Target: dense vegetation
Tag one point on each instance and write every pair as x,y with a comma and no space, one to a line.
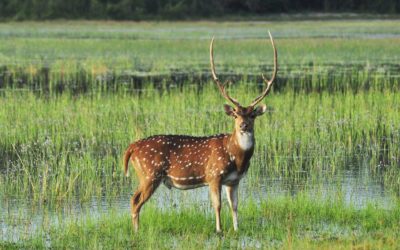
72,146
180,9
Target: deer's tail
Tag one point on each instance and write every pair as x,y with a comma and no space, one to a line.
127,157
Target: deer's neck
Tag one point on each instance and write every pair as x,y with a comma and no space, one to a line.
241,146
239,141
245,141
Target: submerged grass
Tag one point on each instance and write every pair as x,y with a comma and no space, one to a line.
281,222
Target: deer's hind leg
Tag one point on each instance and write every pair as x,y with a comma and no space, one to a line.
215,192
142,194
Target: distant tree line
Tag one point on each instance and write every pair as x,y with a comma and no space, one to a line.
180,9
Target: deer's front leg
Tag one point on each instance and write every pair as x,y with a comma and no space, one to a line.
232,194
215,191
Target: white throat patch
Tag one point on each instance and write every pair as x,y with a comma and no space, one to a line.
245,140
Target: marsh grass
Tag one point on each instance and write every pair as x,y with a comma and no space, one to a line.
66,146
282,222
95,56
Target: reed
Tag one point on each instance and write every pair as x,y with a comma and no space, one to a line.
68,145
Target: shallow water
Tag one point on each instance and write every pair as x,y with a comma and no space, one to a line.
20,217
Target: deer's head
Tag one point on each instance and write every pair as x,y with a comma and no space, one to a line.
244,116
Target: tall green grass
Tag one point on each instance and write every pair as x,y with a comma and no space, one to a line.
67,145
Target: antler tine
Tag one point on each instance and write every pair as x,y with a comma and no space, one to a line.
268,82
216,80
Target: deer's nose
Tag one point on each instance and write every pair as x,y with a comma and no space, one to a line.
244,126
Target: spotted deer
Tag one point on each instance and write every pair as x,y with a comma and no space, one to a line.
187,162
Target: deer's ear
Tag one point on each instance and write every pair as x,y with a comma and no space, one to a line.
229,110
260,110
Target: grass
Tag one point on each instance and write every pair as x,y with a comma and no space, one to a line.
282,223
67,55
70,145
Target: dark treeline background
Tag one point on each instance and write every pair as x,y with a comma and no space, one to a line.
180,9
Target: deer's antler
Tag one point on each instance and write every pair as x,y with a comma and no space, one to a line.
268,82
216,80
